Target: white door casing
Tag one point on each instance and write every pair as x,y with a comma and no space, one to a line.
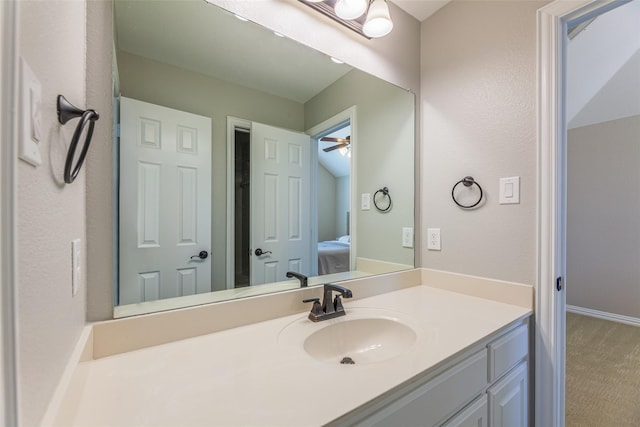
165,202
280,203
346,116
553,20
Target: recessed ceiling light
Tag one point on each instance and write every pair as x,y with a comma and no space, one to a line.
336,60
242,18
278,34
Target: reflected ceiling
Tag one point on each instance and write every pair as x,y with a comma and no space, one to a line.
142,30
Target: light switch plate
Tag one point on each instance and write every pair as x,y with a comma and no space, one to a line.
365,201
510,190
30,115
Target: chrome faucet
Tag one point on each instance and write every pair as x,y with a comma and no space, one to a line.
301,277
329,308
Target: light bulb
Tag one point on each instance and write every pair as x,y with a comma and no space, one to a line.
343,151
378,21
350,9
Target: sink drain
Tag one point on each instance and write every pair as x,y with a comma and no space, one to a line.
347,361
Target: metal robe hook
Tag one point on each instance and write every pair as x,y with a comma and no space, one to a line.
66,112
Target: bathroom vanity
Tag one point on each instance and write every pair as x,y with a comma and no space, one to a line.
487,385
433,349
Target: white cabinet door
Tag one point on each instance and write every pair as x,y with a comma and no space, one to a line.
438,399
508,400
474,415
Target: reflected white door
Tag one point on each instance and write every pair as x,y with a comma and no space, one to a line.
165,209
280,203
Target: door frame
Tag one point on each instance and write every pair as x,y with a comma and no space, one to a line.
8,231
316,132
550,305
233,123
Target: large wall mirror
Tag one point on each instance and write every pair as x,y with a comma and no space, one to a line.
244,155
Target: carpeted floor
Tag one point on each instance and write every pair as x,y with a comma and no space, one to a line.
603,373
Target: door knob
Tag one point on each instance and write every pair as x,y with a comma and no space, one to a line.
201,255
260,252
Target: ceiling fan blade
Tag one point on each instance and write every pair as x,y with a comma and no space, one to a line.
335,147
341,140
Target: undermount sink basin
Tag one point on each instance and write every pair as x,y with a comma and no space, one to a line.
363,336
360,341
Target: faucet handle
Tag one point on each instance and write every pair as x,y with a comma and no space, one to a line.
337,303
316,310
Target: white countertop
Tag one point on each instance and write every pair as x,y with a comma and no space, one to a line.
247,376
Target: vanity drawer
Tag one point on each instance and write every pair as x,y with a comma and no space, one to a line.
507,351
439,398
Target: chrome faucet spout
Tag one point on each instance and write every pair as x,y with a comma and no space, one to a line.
301,277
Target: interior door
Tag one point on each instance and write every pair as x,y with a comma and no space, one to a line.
280,203
165,209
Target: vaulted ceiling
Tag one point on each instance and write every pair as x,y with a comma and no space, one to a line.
421,9
603,63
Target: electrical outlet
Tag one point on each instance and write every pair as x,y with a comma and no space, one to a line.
433,239
75,266
407,237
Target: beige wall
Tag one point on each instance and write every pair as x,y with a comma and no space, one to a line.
326,204
174,87
51,214
478,62
100,161
384,154
603,208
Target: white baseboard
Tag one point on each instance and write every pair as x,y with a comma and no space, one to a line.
604,315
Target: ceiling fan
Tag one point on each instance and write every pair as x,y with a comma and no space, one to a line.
341,143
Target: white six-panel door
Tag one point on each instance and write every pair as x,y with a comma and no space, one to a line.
165,207
280,203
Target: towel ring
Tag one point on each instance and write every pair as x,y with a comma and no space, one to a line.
467,181
66,112
385,193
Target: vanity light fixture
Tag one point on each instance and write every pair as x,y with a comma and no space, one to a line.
378,23
369,18
350,9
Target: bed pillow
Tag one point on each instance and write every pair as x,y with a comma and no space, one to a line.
344,239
